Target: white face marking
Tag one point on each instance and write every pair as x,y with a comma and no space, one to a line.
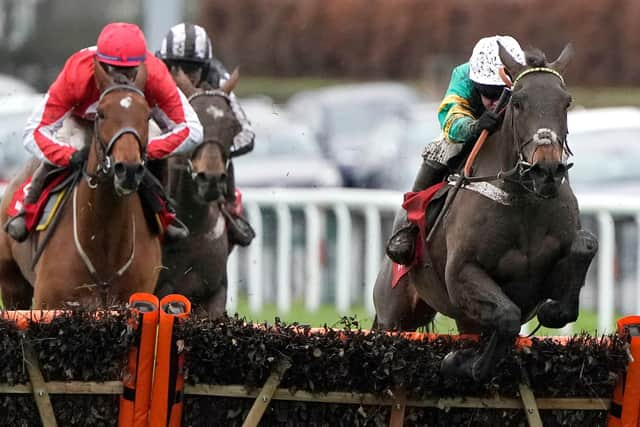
126,102
215,112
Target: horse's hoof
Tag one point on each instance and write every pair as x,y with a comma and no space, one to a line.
459,363
551,314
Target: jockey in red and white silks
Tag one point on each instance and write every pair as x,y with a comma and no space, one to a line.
121,49
75,92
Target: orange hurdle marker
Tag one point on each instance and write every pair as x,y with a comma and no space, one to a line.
168,383
136,394
625,405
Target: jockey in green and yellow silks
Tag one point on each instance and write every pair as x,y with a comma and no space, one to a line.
464,113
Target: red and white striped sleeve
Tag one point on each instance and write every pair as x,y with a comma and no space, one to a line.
39,135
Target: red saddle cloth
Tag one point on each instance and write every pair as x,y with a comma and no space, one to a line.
416,204
33,211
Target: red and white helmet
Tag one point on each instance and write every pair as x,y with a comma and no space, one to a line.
485,59
121,44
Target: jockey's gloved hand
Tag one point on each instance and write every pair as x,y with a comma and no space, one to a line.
243,142
487,120
79,157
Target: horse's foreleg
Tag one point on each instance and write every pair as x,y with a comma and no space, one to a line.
486,307
566,281
17,292
481,300
217,303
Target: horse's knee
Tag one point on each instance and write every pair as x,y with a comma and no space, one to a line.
507,319
585,246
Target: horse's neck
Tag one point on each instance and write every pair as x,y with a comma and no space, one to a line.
497,153
182,190
105,221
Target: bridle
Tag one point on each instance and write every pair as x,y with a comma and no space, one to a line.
520,173
105,162
220,144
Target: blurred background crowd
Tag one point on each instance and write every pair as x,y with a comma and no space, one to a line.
345,92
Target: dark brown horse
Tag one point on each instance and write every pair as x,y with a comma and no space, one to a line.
509,247
197,266
102,249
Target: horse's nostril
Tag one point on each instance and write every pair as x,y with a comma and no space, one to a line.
139,170
119,169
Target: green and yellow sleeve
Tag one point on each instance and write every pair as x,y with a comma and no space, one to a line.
455,113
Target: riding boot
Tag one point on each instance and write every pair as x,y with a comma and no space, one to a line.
402,243
239,230
16,227
154,197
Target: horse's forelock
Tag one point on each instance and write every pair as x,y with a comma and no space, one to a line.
121,79
535,58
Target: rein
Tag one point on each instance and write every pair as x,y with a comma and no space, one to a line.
105,169
85,257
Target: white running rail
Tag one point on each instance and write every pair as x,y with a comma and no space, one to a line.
358,247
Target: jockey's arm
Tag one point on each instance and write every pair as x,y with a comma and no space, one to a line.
455,113
39,134
184,132
244,140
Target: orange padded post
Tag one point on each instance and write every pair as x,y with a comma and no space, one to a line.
136,394
168,383
625,405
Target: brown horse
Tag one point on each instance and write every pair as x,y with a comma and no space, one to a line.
197,266
510,246
102,249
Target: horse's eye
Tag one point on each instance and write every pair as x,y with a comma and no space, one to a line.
100,114
517,104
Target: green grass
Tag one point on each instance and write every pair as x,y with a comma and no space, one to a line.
327,315
281,88
587,321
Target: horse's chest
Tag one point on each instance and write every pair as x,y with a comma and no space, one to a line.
216,232
529,259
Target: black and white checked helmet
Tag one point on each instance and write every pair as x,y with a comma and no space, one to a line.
186,42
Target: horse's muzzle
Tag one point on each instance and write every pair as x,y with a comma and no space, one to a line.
210,187
127,177
547,177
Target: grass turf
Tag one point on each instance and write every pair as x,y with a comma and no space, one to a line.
587,320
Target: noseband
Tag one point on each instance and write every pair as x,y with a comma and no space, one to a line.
105,167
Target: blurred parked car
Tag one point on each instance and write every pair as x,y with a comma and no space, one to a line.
399,168
343,119
286,154
606,147
14,112
10,85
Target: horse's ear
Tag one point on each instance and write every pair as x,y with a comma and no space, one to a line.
102,78
141,77
230,84
512,66
183,81
563,60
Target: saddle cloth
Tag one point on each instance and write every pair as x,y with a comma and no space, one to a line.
39,215
416,205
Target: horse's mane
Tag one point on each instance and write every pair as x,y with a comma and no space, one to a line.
535,57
